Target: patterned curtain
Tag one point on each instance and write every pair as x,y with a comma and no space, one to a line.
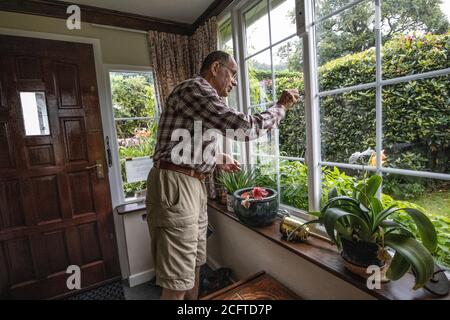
176,57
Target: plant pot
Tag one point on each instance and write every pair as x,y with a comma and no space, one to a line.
359,255
230,202
260,213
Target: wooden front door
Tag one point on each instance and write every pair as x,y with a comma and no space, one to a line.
55,204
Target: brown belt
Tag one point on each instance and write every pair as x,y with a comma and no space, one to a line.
185,170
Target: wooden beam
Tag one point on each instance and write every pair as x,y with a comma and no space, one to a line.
57,9
214,9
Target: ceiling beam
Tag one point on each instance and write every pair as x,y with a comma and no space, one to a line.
57,9
214,9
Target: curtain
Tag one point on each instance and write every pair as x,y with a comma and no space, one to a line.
176,57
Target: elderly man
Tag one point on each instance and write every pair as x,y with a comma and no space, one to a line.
176,196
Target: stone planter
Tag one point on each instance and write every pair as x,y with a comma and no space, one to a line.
260,213
230,202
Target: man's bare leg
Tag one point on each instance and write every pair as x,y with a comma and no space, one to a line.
193,293
169,294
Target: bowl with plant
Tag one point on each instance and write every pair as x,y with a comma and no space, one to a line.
360,226
256,206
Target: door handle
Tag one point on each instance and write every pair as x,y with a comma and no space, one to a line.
99,169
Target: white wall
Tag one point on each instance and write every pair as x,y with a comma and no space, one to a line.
235,246
138,248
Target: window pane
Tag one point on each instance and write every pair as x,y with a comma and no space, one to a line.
432,197
226,37
288,66
257,28
294,184
133,94
135,139
348,125
133,98
342,179
324,7
345,48
415,37
282,19
34,112
416,124
260,78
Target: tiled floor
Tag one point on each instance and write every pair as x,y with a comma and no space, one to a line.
210,281
145,291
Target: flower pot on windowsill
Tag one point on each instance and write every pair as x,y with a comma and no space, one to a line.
258,213
230,202
359,255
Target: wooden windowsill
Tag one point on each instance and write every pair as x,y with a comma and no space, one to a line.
326,256
130,208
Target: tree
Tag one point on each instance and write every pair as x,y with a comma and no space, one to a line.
133,96
353,29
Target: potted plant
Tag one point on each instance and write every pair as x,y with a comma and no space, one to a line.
256,206
360,227
233,181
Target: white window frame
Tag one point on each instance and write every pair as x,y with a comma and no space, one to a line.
306,24
115,176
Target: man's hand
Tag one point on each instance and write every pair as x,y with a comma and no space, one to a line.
226,163
288,98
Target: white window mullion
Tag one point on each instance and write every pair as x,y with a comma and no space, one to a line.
275,131
379,96
305,17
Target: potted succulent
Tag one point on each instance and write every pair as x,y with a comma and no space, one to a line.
360,226
256,206
233,181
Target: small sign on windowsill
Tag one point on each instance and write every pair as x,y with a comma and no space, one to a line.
137,169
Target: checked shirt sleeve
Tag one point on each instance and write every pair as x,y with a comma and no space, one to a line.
201,102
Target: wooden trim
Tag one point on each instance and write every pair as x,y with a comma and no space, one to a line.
57,9
130,208
214,9
232,286
326,256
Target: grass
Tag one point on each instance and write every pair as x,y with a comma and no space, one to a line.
437,202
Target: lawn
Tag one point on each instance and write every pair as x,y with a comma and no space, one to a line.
437,202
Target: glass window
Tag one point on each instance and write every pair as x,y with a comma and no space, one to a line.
135,116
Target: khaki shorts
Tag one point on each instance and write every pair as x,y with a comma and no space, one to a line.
178,221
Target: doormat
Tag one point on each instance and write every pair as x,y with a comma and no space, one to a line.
112,291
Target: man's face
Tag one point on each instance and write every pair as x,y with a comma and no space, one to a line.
224,76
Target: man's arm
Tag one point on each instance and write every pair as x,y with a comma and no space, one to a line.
203,103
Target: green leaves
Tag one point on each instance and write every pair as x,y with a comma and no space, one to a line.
412,253
237,180
364,218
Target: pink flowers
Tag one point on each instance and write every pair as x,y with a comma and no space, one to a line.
256,193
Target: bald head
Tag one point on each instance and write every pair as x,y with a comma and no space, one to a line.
220,69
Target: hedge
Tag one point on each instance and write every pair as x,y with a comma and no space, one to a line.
416,114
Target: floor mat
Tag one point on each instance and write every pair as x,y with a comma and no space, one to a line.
112,291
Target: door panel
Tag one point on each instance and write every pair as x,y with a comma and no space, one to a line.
55,207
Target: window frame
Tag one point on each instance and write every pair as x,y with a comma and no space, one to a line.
306,31
115,176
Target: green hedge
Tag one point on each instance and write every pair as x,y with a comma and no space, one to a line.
416,114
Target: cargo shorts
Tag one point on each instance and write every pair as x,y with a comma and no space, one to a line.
178,221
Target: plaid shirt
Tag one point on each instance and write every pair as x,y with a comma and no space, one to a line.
196,100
